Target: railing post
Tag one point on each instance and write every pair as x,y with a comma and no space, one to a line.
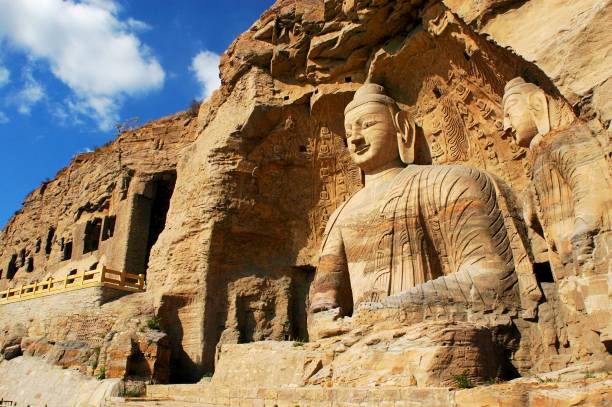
141,281
66,281
50,284
122,278
103,274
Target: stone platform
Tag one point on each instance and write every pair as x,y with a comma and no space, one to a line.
525,392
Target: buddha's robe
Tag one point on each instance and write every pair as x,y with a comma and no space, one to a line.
437,236
573,192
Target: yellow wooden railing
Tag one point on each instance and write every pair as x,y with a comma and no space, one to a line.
94,278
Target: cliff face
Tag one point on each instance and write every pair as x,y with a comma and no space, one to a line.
237,200
81,217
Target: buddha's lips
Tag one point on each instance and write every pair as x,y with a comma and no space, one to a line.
362,149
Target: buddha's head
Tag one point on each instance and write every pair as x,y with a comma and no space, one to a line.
377,131
525,110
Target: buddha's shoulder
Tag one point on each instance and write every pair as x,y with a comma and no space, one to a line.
440,172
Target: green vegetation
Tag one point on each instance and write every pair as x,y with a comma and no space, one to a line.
154,323
102,374
463,382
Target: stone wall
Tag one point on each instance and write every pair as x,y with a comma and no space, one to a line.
61,304
520,393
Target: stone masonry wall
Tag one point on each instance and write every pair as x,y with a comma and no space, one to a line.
60,304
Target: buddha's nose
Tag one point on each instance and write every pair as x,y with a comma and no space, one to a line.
357,139
356,136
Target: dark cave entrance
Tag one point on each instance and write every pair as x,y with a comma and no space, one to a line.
148,219
92,235
11,269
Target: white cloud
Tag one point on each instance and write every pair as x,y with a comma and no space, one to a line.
87,47
31,93
205,66
137,25
3,118
5,76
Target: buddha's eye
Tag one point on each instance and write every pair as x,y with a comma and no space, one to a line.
368,123
348,133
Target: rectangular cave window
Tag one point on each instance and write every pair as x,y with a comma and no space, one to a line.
49,241
30,265
11,269
108,230
92,235
38,244
66,250
543,272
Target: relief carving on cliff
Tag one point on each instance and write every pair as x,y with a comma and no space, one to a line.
570,197
570,175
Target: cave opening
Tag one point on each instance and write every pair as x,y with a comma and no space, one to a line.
66,250
543,272
91,239
161,203
303,277
148,220
49,241
11,268
108,230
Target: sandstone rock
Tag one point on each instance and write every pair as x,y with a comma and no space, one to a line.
427,354
11,352
226,212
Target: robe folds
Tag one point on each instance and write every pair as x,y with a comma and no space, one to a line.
437,237
572,188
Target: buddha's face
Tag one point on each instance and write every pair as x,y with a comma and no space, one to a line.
371,136
517,115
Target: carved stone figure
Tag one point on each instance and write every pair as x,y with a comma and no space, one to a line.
415,234
570,176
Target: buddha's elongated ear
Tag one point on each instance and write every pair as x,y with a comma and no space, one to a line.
405,128
538,108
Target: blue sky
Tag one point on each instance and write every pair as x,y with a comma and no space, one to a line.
70,70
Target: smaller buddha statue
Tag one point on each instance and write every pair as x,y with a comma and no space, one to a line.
571,183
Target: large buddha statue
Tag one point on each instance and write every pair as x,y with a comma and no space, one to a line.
571,183
415,234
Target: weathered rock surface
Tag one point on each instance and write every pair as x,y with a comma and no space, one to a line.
424,355
29,381
225,212
531,392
